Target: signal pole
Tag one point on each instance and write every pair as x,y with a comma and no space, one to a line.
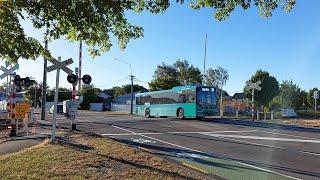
80,66
44,82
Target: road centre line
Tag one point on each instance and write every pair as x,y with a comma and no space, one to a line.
190,149
267,138
187,132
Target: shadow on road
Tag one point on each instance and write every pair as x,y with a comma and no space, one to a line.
263,125
174,152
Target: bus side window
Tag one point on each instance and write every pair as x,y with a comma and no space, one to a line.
182,98
191,98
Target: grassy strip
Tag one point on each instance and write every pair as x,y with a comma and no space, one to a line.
81,156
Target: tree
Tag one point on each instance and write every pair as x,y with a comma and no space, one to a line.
187,74
180,73
63,94
269,88
289,95
165,77
125,89
90,95
95,22
217,77
34,93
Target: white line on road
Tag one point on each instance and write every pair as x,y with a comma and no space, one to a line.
187,132
190,149
265,145
272,132
267,138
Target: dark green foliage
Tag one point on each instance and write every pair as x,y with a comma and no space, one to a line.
180,73
90,95
95,22
269,88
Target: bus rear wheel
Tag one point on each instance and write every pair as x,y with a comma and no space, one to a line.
147,113
180,113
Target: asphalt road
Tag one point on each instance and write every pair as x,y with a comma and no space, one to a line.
231,149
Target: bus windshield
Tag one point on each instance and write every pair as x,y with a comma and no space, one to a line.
206,96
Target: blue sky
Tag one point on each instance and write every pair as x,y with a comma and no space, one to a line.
287,45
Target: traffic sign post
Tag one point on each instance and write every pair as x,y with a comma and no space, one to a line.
253,86
57,65
315,97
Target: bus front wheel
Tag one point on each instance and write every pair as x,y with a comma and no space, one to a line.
180,113
147,113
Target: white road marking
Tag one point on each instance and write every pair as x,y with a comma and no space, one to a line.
267,138
187,132
272,132
130,134
190,149
265,145
247,142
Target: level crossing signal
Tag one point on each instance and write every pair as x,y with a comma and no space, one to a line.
25,82
72,79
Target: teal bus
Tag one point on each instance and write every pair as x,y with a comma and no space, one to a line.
180,101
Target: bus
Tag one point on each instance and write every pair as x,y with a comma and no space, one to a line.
180,101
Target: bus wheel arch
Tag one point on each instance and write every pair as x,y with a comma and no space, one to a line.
180,113
147,113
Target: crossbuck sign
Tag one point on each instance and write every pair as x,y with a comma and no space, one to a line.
254,86
61,65
9,71
57,65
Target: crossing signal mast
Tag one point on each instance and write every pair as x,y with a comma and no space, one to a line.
73,79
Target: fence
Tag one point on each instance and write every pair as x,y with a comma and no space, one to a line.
120,107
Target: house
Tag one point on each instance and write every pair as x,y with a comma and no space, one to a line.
238,101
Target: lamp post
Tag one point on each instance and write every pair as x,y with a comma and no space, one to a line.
131,78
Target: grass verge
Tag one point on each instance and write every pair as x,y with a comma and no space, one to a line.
82,156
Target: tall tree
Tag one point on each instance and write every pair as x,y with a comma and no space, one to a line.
90,95
187,74
95,22
165,77
269,88
289,95
217,77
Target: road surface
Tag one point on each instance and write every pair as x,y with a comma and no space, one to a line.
231,149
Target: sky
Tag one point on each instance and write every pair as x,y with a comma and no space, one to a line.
287,45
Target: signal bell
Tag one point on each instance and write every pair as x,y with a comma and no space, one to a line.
86,79
72,78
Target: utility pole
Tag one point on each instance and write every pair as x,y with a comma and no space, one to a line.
44,81
205,56
132,96
80,66
35,96
131,78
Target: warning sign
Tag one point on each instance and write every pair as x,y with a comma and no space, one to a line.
21,110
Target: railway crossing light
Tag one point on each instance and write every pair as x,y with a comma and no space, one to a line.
72,78
86,79
25,82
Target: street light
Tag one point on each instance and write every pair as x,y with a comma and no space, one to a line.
131,78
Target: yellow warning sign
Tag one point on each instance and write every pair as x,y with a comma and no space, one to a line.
21,110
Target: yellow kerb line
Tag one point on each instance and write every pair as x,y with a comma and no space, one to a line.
193,167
